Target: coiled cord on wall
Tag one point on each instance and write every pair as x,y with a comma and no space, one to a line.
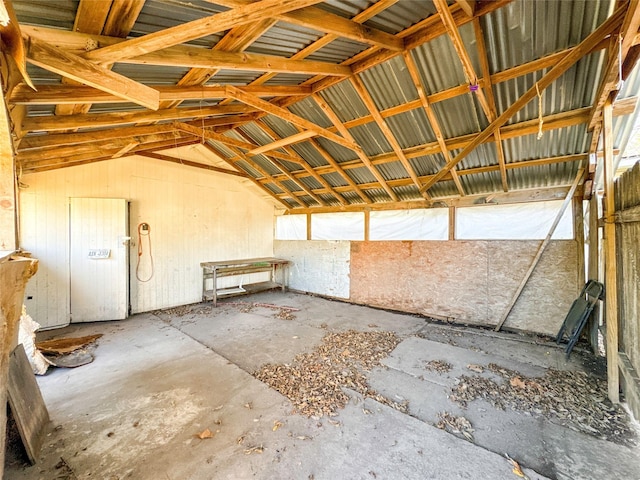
144,230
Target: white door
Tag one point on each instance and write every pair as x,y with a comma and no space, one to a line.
99,259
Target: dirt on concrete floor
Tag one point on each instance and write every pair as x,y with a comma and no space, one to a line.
356,393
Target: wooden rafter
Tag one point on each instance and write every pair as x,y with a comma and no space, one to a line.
283,142
195,29
431,116
562,66
324,21
491,102
620,46
68,94
75,68
307,168
109,17
220,155
360,87
190,163
328,111
290,117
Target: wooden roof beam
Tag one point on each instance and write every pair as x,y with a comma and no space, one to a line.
75,68
620,46
431,116
230,162
307,168
360,87
324,21
97,120
70,94
283,142
195,29
328,111
289,117
109,17
189,163
562,66
492,112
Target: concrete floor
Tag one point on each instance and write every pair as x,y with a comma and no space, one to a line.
159,379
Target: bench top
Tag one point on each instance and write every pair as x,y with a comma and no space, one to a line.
246,262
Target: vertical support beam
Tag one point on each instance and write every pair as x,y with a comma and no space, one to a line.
594,240
8,197
308,226
611,302
578,228
452,223
366,225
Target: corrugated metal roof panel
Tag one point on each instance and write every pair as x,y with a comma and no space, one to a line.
151,74
542,176
438,65
481,183
338,153
389,84
310,182
40,76
371,139
564,141
335,179
60,14
460,116
411,128
233,77
338,51
526,30
483,155
392,170
361,175
160,14
291,186
443,189
310,110
288,79
310,154
353,198
407,193
284,40
401,15
427,164
344,101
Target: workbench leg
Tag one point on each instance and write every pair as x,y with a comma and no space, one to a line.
215,288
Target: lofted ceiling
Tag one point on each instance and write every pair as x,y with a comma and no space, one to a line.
332,105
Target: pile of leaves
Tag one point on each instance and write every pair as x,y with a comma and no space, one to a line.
315,381
576,398
455,425
439,366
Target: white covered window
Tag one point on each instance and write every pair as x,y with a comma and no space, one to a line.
337,226
291,227
418,224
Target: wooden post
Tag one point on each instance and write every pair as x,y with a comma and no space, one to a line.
594,240
452,223
578,228
366,225
8,211
611,299
308,226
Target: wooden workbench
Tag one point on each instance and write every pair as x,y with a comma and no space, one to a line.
228,268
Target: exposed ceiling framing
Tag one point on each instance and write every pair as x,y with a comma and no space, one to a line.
330,105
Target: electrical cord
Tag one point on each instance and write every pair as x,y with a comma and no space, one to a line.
144,232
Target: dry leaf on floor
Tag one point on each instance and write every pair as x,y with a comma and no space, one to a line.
251,450
240,440
475,368
276,425
206,433
517,382
516,467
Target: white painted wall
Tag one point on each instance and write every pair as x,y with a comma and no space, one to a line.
195,216
319,266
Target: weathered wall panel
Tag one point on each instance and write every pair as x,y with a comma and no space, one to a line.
627,190
194,216
319,266
468,281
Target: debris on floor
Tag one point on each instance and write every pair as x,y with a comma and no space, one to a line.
576,398
439,366
455,425
69,352
517,469
27,328
60,346
314,382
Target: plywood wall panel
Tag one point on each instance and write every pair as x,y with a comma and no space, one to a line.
467,281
